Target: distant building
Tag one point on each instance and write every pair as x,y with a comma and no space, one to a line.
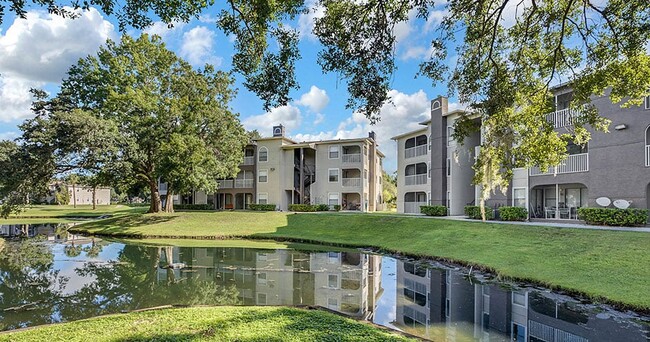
82,195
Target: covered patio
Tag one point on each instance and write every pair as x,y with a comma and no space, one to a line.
351,201
558,201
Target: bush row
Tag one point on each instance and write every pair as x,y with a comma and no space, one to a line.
262,207
614,217
193,207
309,207
474,212
433,210
512,214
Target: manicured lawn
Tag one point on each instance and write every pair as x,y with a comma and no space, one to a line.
211,324
63,211
610,265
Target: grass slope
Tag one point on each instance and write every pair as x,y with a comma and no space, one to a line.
66,213
610,265
211,324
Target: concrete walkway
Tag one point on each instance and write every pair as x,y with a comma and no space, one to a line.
552,224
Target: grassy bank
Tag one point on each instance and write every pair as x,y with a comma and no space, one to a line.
211,324
67,213
609,265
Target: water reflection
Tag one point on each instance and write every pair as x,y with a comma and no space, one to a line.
58,278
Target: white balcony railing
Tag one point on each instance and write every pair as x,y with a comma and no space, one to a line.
243,183
248,161
647,155
352,158
564,117
349,182
225,184
574,163
162,187
415,179
416,151
413,207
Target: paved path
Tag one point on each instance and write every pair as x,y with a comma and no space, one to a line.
556,224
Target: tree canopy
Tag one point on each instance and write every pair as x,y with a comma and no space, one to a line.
510,54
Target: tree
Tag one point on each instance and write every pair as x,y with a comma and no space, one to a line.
389,188
510,52
61,194
174,122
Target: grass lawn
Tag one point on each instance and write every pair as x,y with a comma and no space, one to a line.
66,213
211,324
603,265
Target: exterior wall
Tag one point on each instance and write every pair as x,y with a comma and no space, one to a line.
402,162
439,109
616,159
84,195
323,187
275,168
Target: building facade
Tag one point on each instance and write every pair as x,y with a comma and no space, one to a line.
615,165
277,170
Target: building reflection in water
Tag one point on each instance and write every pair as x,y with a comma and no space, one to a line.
444,305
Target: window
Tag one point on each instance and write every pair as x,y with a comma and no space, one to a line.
519,298
448,167
576,149
261,298
429,172
333,199
448,199
379,180
647,102
333,281
263,198
263,154
450,135
263,176
332,303
261,278
262,256
519,197
334,152
333,257
518,333
365,174
333,175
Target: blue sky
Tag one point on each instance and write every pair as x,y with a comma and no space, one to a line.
37,51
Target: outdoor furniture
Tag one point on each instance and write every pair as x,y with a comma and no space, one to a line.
548,211
565,213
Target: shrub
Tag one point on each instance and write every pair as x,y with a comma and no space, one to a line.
193,207
433,210
322,207
513,214
302,207
337,207
613,216
474,212
262,207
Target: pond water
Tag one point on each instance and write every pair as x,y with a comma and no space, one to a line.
55,277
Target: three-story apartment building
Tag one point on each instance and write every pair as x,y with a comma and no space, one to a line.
615,165
277,170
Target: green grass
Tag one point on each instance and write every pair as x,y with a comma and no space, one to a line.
67,211
211,324
602,265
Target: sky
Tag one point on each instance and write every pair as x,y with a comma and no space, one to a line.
36,52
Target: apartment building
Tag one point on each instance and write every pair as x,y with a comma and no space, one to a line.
277,170
615,165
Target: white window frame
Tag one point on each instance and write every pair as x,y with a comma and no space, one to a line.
266,298
259,154
261,281
525,296
338,152
450,133
429,170
263,194
338,198
338,175
525,196
338,281
265,173
365,173
647,102
448,167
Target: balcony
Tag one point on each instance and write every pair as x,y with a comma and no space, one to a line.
415,179
564,117
413,207
416,151
248,161
351,182
225,183
352,158
243,183
573,163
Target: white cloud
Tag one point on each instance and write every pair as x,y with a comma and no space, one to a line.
319,118
288,115
15,98
197,46
306,21
163,30
417,52
402,115
44,46
11,135
435,18
315,99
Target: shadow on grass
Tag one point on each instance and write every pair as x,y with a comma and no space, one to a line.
121,224
277,325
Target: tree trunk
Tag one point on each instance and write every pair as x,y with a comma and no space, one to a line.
94,197
169,203
155,206
74,195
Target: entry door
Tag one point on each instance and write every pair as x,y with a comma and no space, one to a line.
249,200
239,201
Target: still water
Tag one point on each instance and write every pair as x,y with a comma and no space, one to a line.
54,276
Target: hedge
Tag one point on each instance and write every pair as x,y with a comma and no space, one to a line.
337,207
193,207
614,217
308,207
513,214
433,210
474,212
262,207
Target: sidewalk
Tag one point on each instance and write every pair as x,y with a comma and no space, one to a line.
551,224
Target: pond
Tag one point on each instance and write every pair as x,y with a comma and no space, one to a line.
56,277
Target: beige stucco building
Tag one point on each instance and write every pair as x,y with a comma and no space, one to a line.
277,170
